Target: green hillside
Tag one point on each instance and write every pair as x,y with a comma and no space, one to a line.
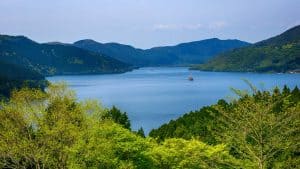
278,54
182,54
16,77
53,59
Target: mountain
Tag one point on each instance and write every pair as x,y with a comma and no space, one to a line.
277,54
182,54
56,58
15,77
125,53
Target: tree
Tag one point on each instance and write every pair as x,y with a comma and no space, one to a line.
181,154
258,133
141,132
20,117
52,129
38,128
286,91
117,116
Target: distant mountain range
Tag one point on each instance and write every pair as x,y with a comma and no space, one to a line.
24,61
181,54
277,54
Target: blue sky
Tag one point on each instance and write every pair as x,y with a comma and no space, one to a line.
147,23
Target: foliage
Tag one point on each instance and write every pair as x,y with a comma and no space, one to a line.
261,128
52,130
118,117
277,54
15,77
141,132
195,124
181,154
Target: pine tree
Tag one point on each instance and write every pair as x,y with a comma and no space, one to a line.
121,118
141,132
286,90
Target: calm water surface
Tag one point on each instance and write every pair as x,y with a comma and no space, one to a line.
153,96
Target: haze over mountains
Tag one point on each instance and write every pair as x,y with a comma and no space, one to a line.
277,54
181,54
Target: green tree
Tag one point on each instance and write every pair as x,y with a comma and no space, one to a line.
257,132
119,117
181,154
141,132
52,129
108,145
286,91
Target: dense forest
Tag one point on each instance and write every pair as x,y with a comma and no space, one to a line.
261,128
181,54
51,129
16,77
278,54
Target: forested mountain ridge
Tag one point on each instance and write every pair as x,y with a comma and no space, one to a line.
277,54
181,54
53,59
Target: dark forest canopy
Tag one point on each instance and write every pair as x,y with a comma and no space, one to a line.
16,77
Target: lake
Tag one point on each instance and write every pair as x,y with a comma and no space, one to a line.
155,95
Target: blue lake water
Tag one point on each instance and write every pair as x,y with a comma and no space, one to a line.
153,96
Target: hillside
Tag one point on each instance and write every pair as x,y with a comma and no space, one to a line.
277,54
182,54
54,59
15,77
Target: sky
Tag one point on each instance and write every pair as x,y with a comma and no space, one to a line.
147,23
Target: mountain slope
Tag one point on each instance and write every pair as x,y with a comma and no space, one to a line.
15,77
182,54
125,53
278,54
53,59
